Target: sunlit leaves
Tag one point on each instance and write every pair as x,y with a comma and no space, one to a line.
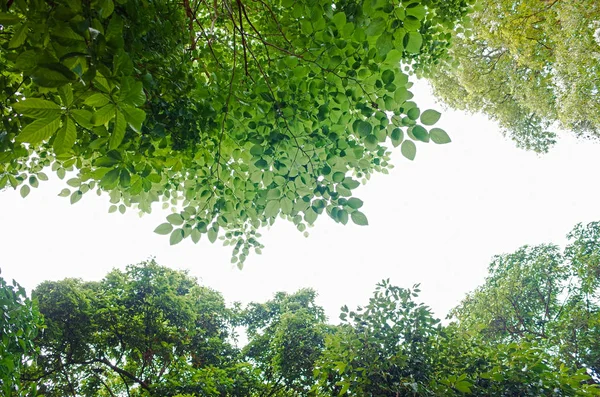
37,108
103,115
39,130
118,132
229,146
413,42
66,137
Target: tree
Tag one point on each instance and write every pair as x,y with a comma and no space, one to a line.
383,349
148,331
394,346
530,65
230,113
286,336
20,322
153,331
538,293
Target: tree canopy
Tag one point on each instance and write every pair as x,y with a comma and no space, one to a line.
20,321
531,65
531,329
230,113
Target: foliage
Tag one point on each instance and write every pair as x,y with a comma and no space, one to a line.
286,337
146,331
232,114
530,65
395,347
20,321
153,331
383,349
537,293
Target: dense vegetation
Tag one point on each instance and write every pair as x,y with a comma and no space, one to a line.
532,329
230,113
531,65
235,113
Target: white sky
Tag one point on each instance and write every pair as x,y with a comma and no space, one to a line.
437,221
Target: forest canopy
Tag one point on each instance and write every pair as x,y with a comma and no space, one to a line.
231,113
531,329
531,65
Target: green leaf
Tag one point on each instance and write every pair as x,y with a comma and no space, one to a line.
64,193
118,131
371,142
164,228
196,234
110,179
97,100
52,75
107,7
37,108
338,177
397,136
39,130
176,236
420,133
82,117
363,128
18,37
408,149
359,218
310,216
74,182
66,137
342,216
76,196
430,117
272,208
387,76
286,205
132,94
416,10
350,183
413,113
339,19
103,115
439,136
175,219
25,189
66,94
256,150
463,386
414,43
9,19
33,181
212,235
135,117
355,203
